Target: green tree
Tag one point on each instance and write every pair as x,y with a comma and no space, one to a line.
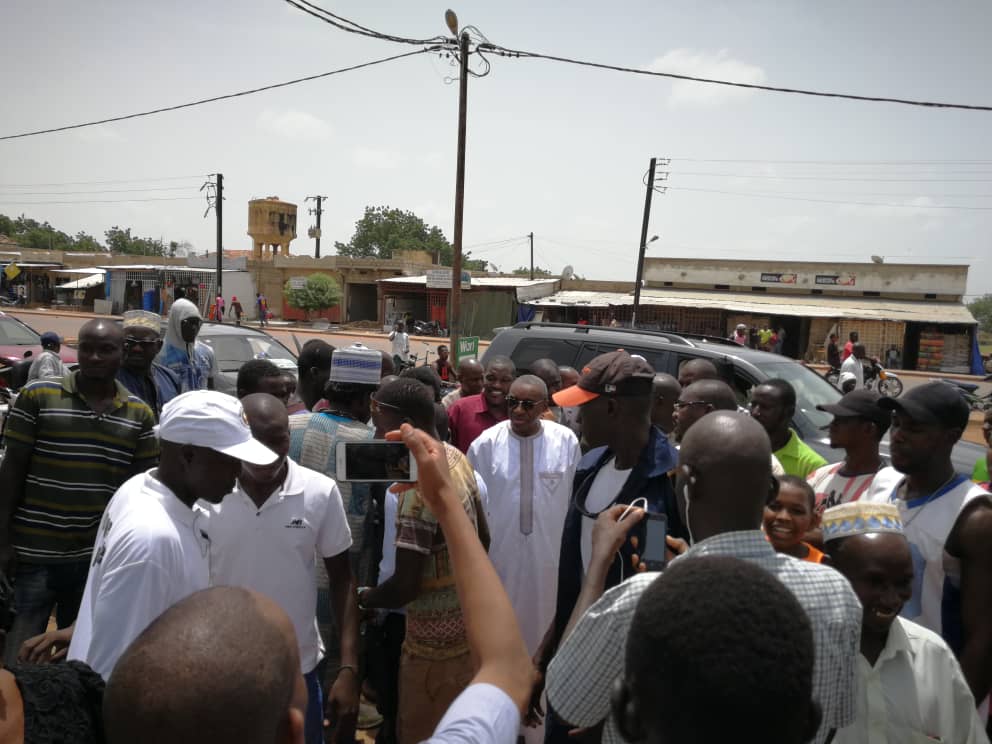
123,242
384,232
320,293
982,310
525,271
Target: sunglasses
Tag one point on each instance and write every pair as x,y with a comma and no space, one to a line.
130,343
528,405
377,406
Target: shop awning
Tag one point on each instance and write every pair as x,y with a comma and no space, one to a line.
804,306
86,282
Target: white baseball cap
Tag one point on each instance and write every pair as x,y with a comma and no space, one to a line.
207,418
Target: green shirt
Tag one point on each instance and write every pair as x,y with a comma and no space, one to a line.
980,474
798,458
78,460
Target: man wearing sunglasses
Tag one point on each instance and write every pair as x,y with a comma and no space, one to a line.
527,464
630,459
139,372
193,361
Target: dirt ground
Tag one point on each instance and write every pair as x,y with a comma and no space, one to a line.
974,431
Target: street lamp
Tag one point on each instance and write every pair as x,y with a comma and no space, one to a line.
637,282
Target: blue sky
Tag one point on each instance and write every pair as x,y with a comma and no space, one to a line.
554,149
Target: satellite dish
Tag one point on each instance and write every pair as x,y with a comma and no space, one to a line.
877,259
568,272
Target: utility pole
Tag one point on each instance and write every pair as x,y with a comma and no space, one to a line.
219,205
316,232
454,326
643,245
531,236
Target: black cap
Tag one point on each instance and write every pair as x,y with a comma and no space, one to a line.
934,403
613,373
859,404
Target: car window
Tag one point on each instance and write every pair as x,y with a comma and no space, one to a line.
265,348
561,351
16,334
659,360
811,390
231,351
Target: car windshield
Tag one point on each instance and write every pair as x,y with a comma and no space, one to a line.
14,333
811,389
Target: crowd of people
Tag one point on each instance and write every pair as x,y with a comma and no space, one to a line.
183,565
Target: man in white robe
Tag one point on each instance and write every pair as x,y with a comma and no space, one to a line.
527,465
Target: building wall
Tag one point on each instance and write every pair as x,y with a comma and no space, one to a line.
914,280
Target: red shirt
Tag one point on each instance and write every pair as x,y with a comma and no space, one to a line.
468,418
848,350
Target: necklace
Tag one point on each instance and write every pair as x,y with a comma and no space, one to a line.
950,483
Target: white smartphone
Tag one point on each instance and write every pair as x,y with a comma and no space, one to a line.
375,461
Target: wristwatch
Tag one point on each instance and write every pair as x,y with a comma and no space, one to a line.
361,593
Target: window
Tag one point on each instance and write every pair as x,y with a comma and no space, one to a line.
561,351
15,333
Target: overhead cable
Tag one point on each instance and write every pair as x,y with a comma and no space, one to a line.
214,99
789,197
503,51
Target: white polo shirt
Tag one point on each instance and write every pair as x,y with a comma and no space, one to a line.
273,549
151,551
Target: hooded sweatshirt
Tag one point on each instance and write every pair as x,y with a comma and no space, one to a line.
193,363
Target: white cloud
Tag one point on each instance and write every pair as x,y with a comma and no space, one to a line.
294,125
717,66
365,157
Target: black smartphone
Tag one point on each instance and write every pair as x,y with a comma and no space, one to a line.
653,549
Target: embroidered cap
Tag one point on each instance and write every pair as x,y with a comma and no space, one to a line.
860,518
143,319
356,364
208,418
613,373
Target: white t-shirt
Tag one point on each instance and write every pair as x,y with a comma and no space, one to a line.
832,488
151,551
482,714
854,366
271,549
603,492
401,343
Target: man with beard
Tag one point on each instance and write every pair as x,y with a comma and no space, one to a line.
528,465
948,522
471,416
139,372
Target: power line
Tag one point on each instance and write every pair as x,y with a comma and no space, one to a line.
828,201
104,201
99,191
836,162
94,183
833,178
503,51
218,98
354,28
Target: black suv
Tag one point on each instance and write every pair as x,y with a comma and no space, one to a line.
740,366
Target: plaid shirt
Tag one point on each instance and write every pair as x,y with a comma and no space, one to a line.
592,657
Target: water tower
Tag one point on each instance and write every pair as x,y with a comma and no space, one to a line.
271,225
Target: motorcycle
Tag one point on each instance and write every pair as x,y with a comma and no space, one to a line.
884,381
969,391
877,377
425,328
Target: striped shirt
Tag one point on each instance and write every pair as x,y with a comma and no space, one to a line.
588,661
78,460
313,440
